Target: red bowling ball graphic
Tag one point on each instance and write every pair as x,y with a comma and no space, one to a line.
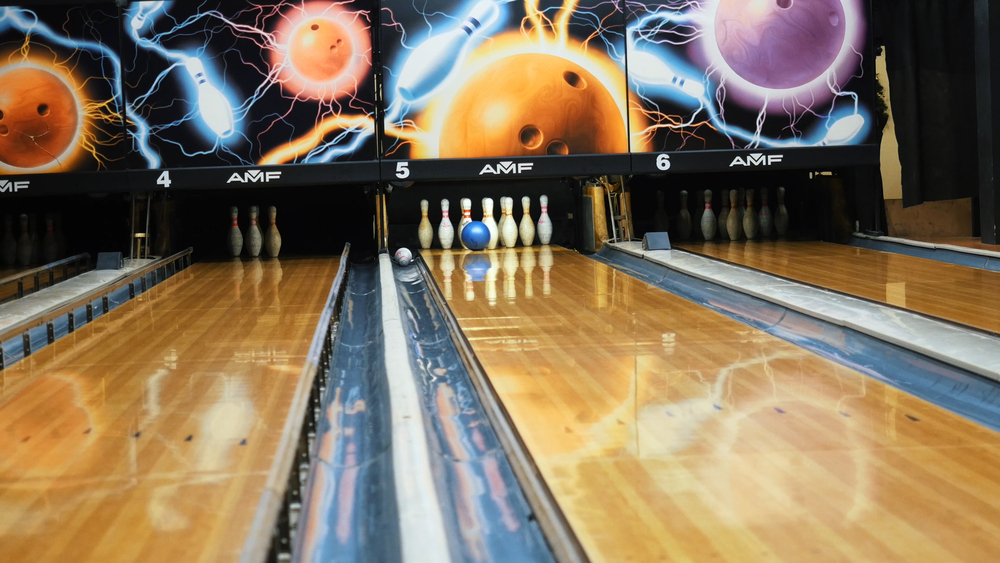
39,117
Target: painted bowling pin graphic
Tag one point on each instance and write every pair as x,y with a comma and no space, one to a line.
490,223
235,236
253,239
733,224
272,238
213,107
764,216
781,219
527,228
750,218
432,63
446,231
544,227
684,218
425,232
466,204
508,228
708,221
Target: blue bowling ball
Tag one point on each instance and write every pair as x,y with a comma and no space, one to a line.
475,235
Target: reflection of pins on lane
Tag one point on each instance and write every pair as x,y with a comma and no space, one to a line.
649,69
490,223
528,264
544,227
466,219
545,261
433,62
491,278
213,106
425,232
447,267
510,269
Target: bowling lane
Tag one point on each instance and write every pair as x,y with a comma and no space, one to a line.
148,434
957,293
669,432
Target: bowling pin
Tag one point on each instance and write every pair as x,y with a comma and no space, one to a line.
9,242
253,239
750,218
661,223
781,220
490,223
723,221
764,217
733,224
260,230
742,205
527,228
696,219
272,238
36,246
49,247
466,218
425,232
235,236
508,230
708,221
544,227
432,63
684,219
446,231
24,244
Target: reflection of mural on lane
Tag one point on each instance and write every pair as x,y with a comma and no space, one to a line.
231,83
60,97
727,74
499,78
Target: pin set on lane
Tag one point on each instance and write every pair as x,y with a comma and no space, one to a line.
487,233
738,217
254,239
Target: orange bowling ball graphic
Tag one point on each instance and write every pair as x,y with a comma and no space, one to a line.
532,104
39,117
320,49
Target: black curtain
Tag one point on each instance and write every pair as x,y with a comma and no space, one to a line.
930,55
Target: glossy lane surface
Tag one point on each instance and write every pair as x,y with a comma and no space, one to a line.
957,293
148,434
668,432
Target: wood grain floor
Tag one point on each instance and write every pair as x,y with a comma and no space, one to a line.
668,432
957,293
147,435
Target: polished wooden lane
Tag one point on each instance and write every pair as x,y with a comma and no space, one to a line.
957,293
668,432
148,434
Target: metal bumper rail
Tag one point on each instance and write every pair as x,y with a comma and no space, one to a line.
272,533
49,271
48,326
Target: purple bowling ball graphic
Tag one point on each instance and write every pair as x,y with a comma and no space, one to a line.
475,235
780,44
